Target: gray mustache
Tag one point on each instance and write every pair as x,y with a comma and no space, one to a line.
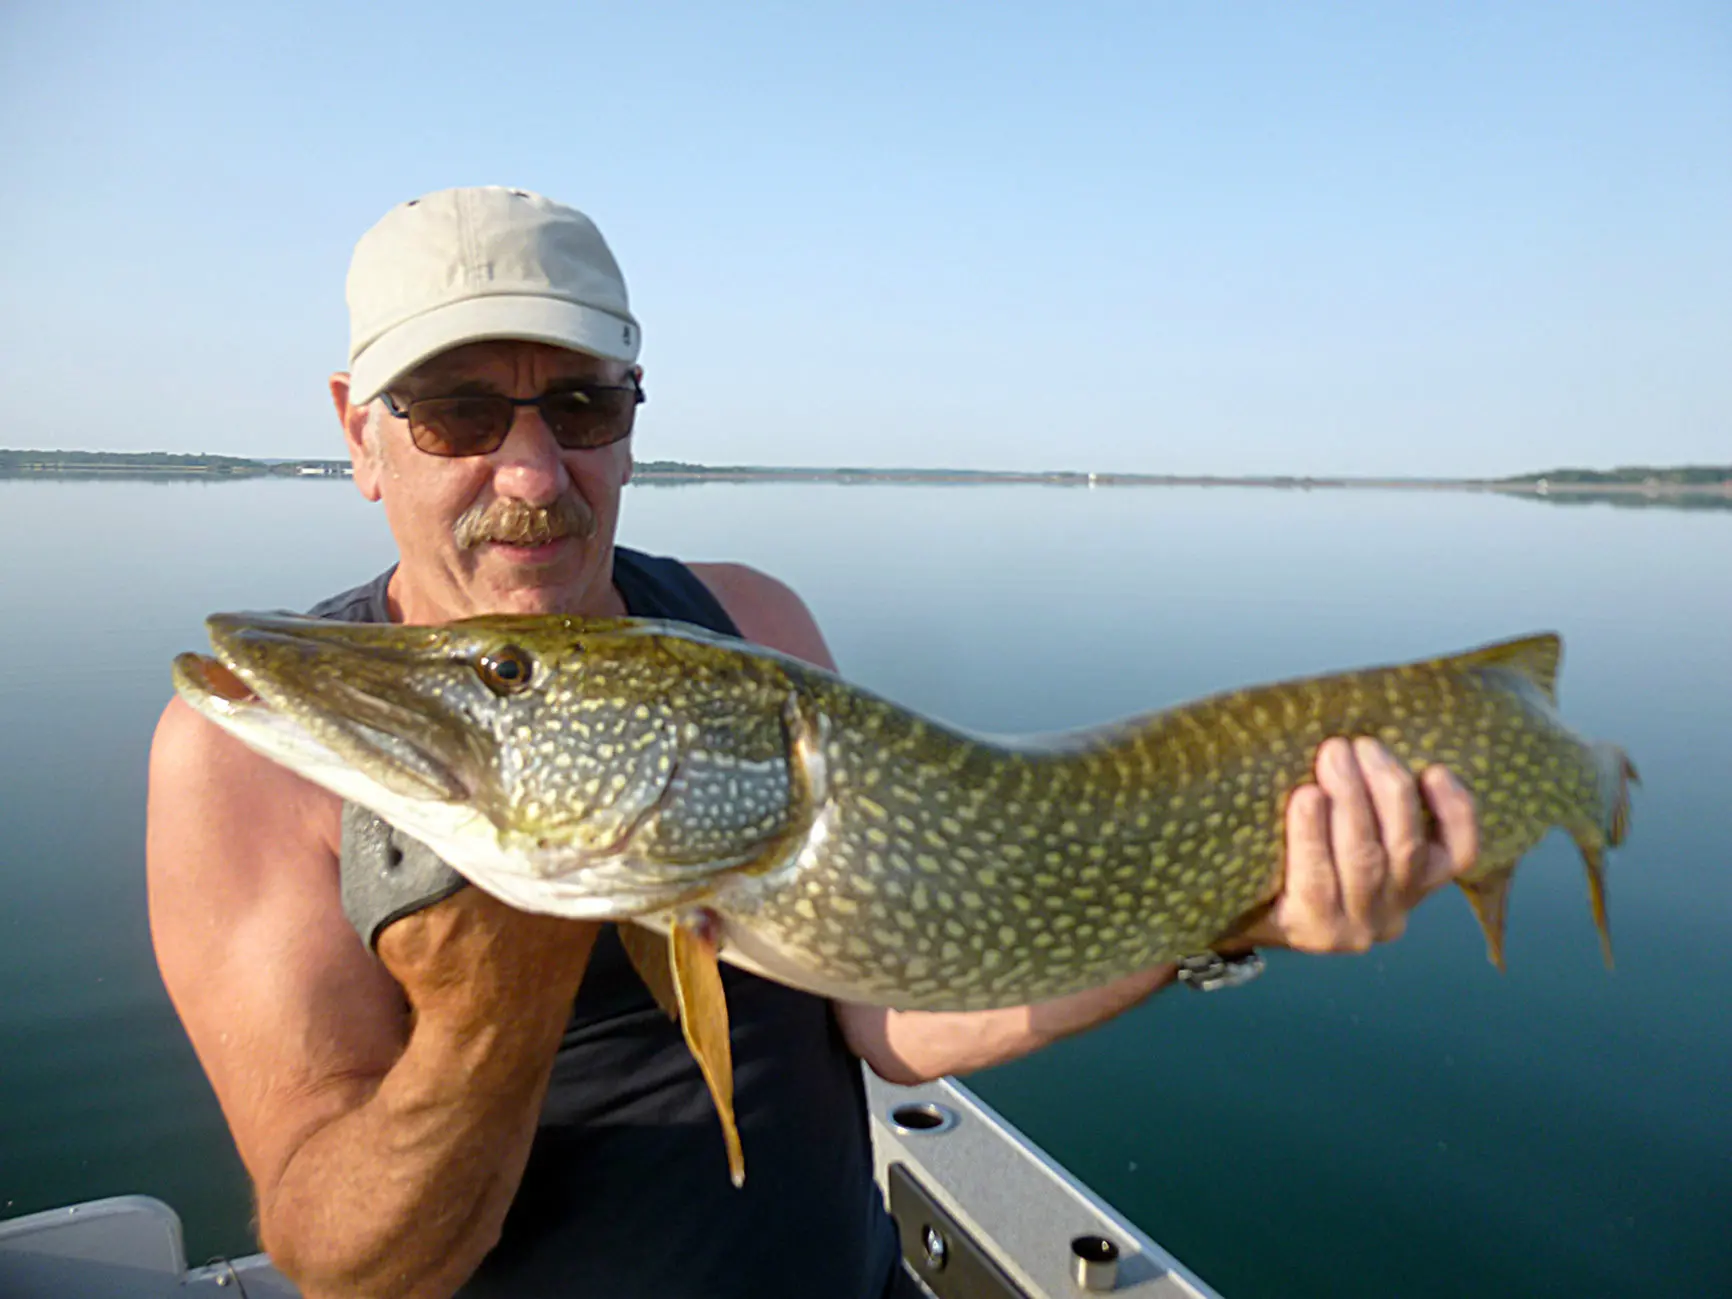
518,523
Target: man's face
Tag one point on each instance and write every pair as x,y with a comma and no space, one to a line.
473,531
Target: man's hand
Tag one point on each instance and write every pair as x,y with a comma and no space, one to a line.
472,956
1359,854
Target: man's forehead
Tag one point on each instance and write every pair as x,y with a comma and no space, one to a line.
502,359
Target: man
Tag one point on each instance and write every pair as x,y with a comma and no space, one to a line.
426,1089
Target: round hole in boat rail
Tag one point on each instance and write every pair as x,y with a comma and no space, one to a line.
937,1249
923,1116
1094,1262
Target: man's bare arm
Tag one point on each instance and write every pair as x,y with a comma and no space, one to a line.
911,1046
383,1108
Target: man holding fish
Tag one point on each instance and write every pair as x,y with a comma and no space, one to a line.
434,1091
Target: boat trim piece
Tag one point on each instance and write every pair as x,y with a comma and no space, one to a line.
1013,1199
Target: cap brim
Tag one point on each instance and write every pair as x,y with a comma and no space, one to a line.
532,319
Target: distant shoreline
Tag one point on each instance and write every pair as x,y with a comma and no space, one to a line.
1707,486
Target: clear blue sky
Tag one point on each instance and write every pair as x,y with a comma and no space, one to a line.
1201,236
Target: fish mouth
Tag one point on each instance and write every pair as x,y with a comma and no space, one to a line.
210,679
308,699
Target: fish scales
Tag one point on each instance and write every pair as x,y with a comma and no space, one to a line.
854,847
1130,845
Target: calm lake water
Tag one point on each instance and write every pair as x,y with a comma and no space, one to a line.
1407,1122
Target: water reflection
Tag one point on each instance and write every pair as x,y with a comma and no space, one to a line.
1405,1122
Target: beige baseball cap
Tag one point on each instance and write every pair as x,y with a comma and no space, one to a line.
463,265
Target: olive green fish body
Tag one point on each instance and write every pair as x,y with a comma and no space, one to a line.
956,873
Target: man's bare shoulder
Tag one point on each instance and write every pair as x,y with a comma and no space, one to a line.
198,768
234,839
766,610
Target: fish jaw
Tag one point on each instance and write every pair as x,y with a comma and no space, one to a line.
452,828
220,696
353,693
557,882
336,704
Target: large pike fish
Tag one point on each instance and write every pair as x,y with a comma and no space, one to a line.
725,801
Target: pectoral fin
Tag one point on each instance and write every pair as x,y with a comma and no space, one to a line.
1489,894
693,946
697,979
654,964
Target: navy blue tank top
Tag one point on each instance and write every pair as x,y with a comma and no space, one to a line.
626,1192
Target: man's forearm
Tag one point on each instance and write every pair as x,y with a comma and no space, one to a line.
910,1046
405,1194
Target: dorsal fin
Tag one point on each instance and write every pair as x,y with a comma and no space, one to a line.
1534,657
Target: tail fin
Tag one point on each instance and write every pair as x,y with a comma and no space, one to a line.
1617,773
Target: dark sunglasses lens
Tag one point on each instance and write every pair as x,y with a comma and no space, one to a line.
590,417
459,426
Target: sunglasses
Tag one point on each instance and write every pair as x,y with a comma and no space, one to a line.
581,418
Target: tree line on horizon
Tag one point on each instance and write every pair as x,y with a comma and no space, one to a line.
16,460
1677,475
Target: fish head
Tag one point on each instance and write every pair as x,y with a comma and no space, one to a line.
535,754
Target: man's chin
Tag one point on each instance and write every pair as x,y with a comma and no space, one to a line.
532,579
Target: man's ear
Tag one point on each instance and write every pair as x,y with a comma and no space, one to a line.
363,453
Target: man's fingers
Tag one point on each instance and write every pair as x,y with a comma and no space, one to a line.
1457,827
1353,830
1311,880
1395,796
1359,856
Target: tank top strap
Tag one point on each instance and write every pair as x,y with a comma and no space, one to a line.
655,586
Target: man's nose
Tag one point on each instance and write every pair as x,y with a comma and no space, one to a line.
527,465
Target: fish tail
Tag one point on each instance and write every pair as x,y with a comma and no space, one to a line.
1617,773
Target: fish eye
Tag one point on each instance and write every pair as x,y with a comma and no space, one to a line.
505,670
